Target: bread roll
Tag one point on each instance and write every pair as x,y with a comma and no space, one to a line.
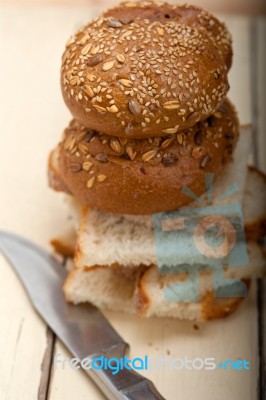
186,14
129,176
146,75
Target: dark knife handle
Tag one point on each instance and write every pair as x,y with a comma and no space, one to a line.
126,384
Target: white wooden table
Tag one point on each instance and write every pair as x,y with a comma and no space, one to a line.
32,117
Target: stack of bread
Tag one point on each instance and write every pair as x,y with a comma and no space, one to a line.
147,85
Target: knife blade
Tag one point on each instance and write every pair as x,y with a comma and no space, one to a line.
83,329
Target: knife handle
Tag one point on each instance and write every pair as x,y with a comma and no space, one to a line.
126,384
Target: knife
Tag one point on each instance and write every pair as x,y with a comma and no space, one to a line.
83,329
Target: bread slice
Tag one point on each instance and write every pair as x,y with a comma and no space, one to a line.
107,288
109,239
152,286
141,290
150,298
110,289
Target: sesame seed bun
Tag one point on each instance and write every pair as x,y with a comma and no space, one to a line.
186,14
145,176
146,70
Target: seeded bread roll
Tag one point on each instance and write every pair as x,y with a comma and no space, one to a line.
144,77
145,176
186,14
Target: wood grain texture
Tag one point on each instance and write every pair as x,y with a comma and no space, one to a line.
46,365
69,384
22,340
32,117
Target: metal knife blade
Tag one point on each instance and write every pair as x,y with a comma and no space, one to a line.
83,329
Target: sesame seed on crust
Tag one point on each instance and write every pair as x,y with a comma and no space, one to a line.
106,171
114,69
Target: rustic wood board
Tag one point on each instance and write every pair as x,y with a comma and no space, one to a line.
32,116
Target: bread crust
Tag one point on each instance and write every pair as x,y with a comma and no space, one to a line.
63,248
146,77
210,308
186,14
54,178
145,176
216,308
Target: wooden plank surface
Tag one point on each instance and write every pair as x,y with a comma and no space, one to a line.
32,116
22,340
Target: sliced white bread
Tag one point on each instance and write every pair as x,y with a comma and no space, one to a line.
150,298
107,288
141,290
152,285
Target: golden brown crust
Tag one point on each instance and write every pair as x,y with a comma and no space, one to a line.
70,278
144,78
186,14
54,178
114,266
62,248
215,308
210,307
143,301
145,176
